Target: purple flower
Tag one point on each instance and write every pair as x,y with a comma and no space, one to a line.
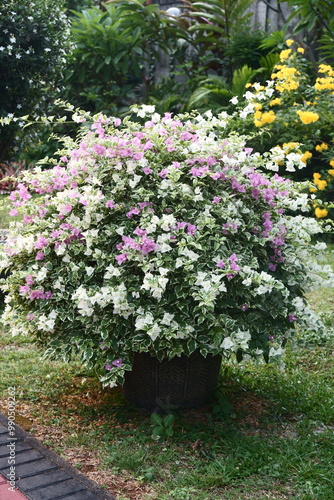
133,211
148,246
117,362
163,173
40,256
216,199
29,280
147,170
139,232
121,258
233,258
191,229
36,294
292,317
24,289
41,242
234,267
221,264
244,307
110,204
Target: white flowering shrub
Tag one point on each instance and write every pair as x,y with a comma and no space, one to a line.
33,44
157,235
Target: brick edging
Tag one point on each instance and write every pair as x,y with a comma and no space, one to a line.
34,443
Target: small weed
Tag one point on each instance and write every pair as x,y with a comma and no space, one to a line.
163,426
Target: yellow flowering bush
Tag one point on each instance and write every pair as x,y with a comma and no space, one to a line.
300,123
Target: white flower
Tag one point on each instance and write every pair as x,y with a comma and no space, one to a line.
144,110
167,318
227,343
41,275
190,254
234,100
142,321
89,270
154,332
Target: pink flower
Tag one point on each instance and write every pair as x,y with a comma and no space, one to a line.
216,199
292,317
110,204
36,294
191,229
147,170
41,242
40,256
221,264
132,211
235,267
244,307
140,232
121,258
13,212
117,122
117,362
29,280
27,219
148,246
163,173
233,258
24,289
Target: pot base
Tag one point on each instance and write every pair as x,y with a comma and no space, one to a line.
179,383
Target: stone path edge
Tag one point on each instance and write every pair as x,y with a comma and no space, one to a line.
51,455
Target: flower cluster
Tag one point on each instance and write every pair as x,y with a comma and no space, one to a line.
295,107
163,237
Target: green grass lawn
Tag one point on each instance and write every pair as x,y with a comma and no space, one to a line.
267,434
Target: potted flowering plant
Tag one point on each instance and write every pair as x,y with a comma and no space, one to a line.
158,236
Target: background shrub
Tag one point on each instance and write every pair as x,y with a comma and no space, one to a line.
33,45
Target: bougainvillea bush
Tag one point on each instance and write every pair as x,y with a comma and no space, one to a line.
159,235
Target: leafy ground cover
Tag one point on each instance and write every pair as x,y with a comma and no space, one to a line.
268,433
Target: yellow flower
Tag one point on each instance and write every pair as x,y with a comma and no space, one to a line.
332,162
321,185
316,177
285,54
288,146
331,172
301,50
313,190
289,42
248,85
326,68
268,117
307,116
321,147
306,156
324,83
275,102
321,213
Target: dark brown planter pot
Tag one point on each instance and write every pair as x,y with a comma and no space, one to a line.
182,382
